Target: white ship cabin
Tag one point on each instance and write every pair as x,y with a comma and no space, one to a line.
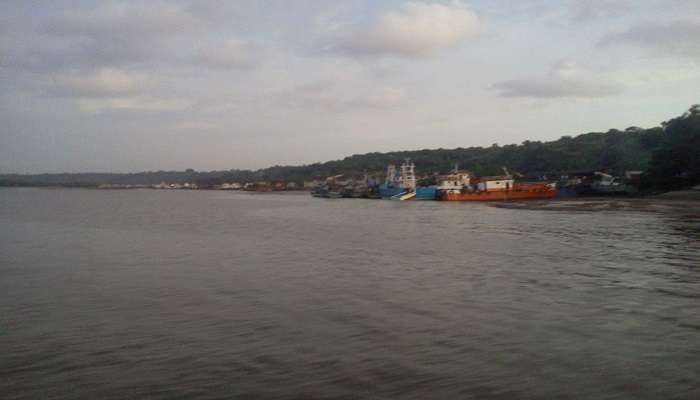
408,175
392,175
454,182
496,184
313,184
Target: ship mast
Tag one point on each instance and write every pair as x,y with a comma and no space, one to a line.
390,174
408,175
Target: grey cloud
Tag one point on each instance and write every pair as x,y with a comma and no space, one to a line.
566,79
133,104
677,37
416,30
23,49
232,54
556,88
116,34
124,19
337,97
117,90
103,82
586,10
162,35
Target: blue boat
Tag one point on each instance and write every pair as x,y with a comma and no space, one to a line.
400,184
426,193
387,191
566,191
398,181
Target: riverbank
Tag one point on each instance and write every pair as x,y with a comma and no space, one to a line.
680,195
683,202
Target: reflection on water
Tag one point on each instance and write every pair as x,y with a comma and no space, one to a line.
151,294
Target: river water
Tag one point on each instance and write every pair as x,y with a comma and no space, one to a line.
204,294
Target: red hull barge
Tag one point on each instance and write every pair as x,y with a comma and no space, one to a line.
519,191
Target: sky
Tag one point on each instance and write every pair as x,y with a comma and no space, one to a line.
126,86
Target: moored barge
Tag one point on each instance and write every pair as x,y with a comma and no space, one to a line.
461,186
518,191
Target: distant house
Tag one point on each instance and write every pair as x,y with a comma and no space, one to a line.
634,177
312,184
344,182
261,186
277,185
339,180
231,186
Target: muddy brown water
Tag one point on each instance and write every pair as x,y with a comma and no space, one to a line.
202,294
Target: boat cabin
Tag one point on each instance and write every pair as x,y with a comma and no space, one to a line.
455,181
496,184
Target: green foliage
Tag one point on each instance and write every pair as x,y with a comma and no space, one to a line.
615,151
671,153
676,160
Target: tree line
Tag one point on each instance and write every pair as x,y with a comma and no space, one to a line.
669,154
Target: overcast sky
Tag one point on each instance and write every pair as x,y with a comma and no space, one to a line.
147,85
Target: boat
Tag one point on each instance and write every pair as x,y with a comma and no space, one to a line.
611,185
403,196
399,181
387,191
453,182
426,193
516,191
597,183
461,186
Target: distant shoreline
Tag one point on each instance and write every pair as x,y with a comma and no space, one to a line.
584,203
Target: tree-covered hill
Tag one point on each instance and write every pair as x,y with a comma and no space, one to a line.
676,157
669,153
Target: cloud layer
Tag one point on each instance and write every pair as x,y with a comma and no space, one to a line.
131,85
565,79
119,33
588,10
675,37
231,54
416,30
97,83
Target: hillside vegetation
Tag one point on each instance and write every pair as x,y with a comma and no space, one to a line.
670,154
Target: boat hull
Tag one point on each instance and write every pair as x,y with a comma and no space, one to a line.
529,192
426,193
387,192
